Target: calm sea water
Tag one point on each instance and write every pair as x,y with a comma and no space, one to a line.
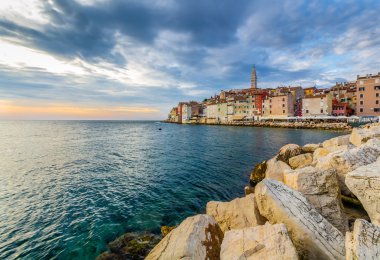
69,187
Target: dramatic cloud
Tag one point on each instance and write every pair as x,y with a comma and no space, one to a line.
135,59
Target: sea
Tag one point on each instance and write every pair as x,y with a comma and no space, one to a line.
67,188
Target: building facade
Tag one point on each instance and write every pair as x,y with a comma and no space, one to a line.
368,95
280,105
317,105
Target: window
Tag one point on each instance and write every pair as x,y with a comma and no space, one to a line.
361,102
361,82
377,80
361,95
283,105
361,89
377,102
283,111
307,111
283,99
321,111
270,100
361,109
377,87
270,112
377,94
270,106
376,109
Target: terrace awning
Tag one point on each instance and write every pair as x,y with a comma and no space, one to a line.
238,118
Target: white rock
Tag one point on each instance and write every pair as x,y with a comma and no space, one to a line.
319,153
313,236
363,242
321,188
364,182
261,242
347,161
337,141
301,160
197,237
238,213
276,169
362,135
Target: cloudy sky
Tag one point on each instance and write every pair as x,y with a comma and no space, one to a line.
134,59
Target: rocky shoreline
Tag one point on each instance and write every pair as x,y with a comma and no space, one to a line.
318,201
297,125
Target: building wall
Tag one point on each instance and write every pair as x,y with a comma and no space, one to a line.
320,105
368,95
211,111
278,106
222,112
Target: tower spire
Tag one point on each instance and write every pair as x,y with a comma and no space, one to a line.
253,77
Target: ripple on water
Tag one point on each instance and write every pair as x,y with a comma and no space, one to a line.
68,188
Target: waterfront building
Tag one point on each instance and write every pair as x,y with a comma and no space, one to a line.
317,105
173,115
211,112
309,91
341,108
368,95
278,105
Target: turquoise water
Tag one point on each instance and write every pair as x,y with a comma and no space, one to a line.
69,187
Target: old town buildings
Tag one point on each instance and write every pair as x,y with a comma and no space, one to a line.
361,98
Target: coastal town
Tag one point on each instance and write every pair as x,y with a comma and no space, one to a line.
354,100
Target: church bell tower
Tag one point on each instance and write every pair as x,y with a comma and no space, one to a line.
253,78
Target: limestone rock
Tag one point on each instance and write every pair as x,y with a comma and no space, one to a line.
261,242
197,237
347,161
238,213
276,169
364,182
301,160
337,141
321,188
288,151
258,173
362,135
313,236
310,148
363,242
319,153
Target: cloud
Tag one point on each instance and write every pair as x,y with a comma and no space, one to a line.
90,53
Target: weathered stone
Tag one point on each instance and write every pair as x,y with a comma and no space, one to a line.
130,246
261,242
313,236
248,190
319,153
238,213
276,169
347,161
197,237
364,182
258,173
363,242
301,160
337,141
362,135
321,188
288,151
166,230
310,148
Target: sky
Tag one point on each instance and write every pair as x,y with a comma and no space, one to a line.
135,59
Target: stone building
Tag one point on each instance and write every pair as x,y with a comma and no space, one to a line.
368,95
278,105
317,105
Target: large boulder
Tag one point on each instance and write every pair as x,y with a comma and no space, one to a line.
360,136
197,237
364,182
238,213
310,148
301,160
321,188
319,153
363,242
261,242
313,236
288,151
258,173
276,169
347,161
337,141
